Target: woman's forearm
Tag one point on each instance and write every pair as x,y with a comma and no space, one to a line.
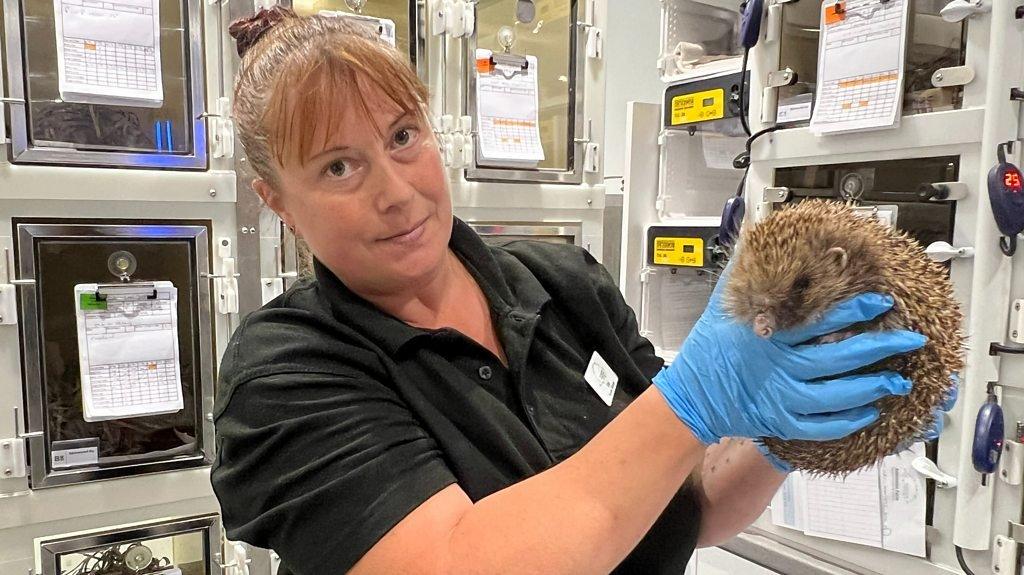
588,512
737,483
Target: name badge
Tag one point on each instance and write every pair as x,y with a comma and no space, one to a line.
601,378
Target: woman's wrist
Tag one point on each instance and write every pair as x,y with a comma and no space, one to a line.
776,463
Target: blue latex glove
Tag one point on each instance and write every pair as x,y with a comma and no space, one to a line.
728,382
938,422
779,465
939,415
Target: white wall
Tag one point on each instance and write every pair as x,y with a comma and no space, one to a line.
632,48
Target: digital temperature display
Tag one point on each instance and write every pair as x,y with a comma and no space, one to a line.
1012,180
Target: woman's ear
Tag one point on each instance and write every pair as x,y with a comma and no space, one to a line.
839,256
272,198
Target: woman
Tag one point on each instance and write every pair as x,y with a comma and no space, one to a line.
422,406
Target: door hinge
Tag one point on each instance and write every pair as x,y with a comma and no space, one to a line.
456,18
221,129
770,93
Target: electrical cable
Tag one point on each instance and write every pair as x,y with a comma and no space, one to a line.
960,560
742,161
743,85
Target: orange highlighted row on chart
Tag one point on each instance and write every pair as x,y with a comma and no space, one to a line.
860,104
869,80
514,123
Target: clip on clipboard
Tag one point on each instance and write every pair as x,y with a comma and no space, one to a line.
128,349
103,290
508,110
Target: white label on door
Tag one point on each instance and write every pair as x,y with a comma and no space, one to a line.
75,457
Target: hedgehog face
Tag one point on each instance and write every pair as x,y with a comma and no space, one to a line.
779,295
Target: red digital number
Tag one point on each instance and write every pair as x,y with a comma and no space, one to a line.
1012,180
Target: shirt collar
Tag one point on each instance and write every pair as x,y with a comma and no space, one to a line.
510,287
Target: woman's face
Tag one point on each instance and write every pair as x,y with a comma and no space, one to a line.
371,199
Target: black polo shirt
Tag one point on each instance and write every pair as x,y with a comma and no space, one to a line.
335,420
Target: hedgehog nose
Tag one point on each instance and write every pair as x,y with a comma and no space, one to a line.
763,325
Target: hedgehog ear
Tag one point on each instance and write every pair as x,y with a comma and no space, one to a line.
838,255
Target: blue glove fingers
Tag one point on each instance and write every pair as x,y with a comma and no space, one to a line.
825,427
816,361
843,393
938,423
859,308
939,415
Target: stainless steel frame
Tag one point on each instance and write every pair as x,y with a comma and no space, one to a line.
578,134
32,355
756,547
570,229
418,37
23,151
50,550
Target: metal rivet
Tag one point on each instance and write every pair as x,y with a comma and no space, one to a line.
209,417
7,445
1014,333
213,193
1004,473
590,202
938,77
252,230
245,230
1016,307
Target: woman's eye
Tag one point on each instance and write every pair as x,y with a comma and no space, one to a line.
404,137
337,169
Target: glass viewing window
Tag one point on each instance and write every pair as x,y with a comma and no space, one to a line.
932,43
49,128
551,37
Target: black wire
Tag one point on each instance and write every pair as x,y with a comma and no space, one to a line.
757,135
1008,245
742,161
960,560
743,84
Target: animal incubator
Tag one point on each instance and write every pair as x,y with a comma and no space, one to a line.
133,245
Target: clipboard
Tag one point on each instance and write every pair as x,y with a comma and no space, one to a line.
507,109
861,55
129,361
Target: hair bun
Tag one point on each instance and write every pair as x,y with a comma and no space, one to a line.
248,31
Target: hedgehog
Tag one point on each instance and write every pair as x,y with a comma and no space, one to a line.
803,259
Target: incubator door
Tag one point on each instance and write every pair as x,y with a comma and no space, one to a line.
62,344
120,94
403,13
551,53
185,546
932,44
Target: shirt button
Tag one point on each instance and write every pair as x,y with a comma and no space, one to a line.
485,372
530,409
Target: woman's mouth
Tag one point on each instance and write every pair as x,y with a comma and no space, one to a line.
408,236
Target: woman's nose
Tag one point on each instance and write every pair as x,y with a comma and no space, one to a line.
393,185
